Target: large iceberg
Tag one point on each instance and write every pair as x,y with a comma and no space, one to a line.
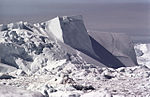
34,46
112,49
71,31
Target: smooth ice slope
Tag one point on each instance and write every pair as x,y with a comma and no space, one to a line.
118,44
53,27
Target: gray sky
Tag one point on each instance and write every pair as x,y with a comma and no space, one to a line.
128,16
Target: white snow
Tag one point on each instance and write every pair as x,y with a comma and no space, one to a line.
8,91
58,58
55,27
143,54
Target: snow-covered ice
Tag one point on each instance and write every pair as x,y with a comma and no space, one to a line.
143,54
59,58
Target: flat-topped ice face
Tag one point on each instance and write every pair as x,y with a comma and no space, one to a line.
71,30
53,27
118,44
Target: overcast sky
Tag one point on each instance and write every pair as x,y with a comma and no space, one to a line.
127,16
69,1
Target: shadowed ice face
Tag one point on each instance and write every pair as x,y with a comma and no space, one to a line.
128,16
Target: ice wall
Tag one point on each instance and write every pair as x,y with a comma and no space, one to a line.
71,30
118,44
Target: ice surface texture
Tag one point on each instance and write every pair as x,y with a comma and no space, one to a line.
59,58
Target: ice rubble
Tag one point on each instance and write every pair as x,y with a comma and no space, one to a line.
60,58
85,80
8,91
143,53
